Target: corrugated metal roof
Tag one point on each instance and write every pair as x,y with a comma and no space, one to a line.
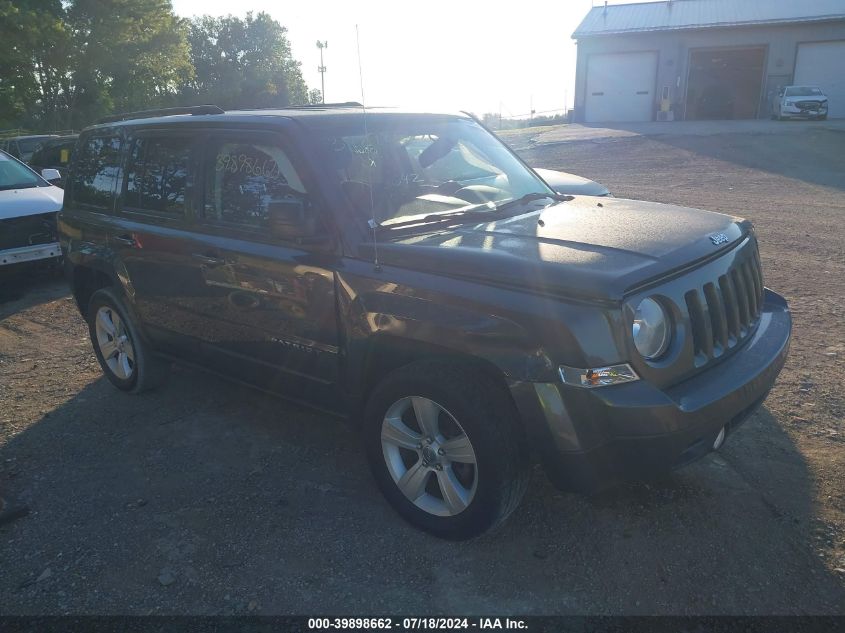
698,14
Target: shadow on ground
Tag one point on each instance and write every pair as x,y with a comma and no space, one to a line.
27,287
207,498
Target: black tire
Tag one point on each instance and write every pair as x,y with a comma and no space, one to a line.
148,371
823,117
486,414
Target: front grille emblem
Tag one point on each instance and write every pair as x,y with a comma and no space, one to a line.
718,238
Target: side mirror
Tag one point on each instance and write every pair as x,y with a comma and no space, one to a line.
290,218
51,175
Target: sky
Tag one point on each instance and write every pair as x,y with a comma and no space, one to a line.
442,55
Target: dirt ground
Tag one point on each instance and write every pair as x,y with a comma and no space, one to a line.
208,498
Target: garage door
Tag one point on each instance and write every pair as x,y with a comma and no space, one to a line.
821,64
620,87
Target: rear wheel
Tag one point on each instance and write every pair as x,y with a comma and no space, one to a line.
445,449
124,356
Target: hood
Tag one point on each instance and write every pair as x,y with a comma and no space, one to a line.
581,248
819,98
16,203
570,184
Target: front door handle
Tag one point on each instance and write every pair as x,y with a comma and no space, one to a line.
208,260
126,239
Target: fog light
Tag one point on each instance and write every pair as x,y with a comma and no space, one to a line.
598,376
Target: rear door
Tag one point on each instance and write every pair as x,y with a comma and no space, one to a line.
270,300
152,237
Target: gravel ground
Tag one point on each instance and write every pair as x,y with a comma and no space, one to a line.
208,498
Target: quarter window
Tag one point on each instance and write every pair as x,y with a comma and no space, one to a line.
246,183
157,175
96,171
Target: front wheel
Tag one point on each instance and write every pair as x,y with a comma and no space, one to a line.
444,447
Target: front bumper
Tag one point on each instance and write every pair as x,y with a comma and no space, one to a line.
798,113
29,253
588,439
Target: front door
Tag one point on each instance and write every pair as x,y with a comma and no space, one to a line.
270,301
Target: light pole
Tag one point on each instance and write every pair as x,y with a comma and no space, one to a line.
322,69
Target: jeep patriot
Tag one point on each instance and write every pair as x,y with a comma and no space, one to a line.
408,272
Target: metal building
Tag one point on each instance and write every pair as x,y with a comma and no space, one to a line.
706,59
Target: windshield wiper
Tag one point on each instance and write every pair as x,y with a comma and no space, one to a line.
474,211
483,211
534,195
19,185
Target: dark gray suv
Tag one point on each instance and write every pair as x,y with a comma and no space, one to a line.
409,272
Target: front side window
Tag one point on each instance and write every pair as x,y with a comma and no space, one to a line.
95,172
247,184
52,154
157,175
404,168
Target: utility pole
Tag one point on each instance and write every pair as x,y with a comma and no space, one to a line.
322,69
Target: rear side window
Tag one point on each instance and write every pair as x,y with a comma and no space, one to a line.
245,181
157,175
95,172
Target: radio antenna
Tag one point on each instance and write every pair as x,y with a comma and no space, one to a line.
372,222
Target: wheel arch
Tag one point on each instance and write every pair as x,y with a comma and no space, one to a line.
386,353
86,280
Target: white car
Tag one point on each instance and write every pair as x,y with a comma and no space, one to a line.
804,102
28,207
570,184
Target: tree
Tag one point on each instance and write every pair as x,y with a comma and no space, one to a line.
243,63
315,96
128,54
66,63
33,62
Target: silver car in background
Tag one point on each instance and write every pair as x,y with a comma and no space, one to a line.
802,102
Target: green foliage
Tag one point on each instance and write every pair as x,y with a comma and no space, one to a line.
66,64
243,63
32,62
495,122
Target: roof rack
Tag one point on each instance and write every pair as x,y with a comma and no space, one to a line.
146,114
340,104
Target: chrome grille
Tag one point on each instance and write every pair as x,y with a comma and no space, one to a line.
725,311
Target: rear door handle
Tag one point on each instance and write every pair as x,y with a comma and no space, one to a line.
208,260
125,239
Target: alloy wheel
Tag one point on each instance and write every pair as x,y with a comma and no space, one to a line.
429,456
114,343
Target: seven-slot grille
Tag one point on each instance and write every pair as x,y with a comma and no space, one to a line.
726,310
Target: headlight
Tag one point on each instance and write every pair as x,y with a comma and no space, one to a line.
652,329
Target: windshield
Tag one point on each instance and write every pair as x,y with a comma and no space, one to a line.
803,91
409,167
13,175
